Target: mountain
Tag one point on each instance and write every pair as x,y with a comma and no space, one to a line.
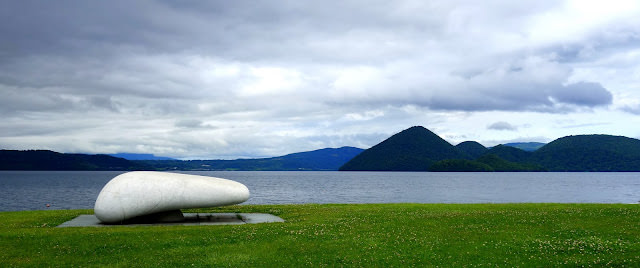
484,163
130,156
590,153
413,149
418,149
322,159
526,146
459,165
49,160
501,165
509,153
472,148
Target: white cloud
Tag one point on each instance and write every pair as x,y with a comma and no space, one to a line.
577,21
270,81
632,108
368,115
230,79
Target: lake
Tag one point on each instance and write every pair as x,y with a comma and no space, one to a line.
33,190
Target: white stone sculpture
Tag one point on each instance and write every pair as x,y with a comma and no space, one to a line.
161,195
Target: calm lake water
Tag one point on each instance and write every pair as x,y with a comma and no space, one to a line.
32,190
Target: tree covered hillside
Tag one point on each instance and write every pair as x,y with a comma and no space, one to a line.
590,153
510,153
418,149
323,159
472,148
49,160
413,149
527,146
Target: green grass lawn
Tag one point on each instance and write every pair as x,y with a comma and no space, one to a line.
378,235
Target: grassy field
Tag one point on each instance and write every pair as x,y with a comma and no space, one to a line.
378,235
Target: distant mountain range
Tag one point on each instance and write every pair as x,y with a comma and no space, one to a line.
323,159
413,149
418,149
526,146
49,160
131,156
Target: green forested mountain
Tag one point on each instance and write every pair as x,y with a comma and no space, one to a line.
472,148
509,153
413,149
418,149
323,159
49,160
486,162
501,165
527,146
460,165
590,153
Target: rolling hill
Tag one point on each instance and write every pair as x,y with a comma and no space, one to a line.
418,149
590,153
472,148
509,153
413,149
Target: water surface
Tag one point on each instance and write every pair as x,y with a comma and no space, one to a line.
32,190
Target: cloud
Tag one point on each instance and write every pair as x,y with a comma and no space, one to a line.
248,53
583,94
189,123
634,109
502,126
263,78
532,83
586,125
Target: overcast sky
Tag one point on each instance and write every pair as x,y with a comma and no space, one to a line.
231,79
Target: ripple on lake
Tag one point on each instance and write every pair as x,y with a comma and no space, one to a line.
32,190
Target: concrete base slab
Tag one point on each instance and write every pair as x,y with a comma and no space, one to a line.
189,219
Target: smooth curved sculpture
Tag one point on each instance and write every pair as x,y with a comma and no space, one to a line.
161,194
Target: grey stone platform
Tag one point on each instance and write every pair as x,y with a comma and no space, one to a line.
190,219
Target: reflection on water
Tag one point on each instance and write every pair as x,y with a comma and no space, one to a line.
33,190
